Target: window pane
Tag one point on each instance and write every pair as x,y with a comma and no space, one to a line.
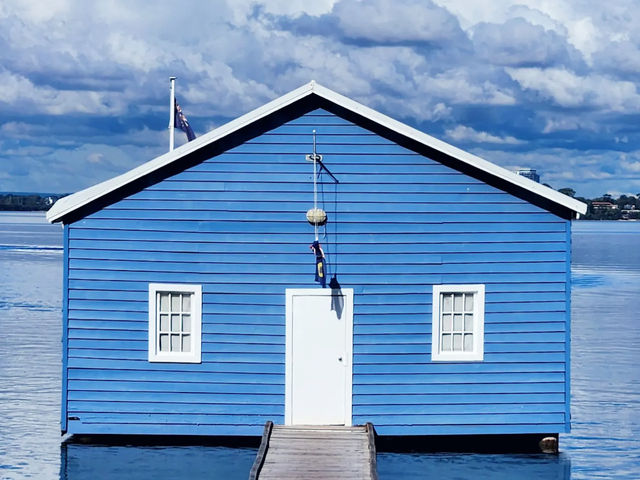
175,302
446,343
457,323
468,322
468,302
468,342
175,323
175,343
164,302
164,322
164,343
447,303
446,322
186,323
186,343
457,302
186,302
457,342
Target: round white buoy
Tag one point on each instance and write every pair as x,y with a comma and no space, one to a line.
316,216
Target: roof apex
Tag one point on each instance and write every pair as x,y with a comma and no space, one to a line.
67,205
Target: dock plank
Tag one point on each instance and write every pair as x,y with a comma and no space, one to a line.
319,452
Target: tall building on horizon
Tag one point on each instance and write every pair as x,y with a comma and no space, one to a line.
530,173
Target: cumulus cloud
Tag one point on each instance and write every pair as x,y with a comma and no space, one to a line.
567,89
462,133
517,42
85,83
393,22
19,90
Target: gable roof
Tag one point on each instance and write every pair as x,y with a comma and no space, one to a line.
69,205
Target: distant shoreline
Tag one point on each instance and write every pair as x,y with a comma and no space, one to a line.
28,202
625,208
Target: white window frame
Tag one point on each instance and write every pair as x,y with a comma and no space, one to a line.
195,355
477,354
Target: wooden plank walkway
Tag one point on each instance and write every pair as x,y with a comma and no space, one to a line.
317,452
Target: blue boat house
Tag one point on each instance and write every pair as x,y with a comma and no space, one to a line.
436,302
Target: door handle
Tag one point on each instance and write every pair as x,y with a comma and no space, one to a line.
339,359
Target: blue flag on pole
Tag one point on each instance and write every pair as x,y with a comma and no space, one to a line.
319,253
182,123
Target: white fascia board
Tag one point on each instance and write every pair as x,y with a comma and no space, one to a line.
68,204
454,152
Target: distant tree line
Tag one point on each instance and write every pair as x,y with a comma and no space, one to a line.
28,201
607,207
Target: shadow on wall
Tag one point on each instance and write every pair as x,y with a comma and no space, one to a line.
337,297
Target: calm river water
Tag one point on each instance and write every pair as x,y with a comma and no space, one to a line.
604,443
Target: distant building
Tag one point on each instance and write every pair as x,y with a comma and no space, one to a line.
530,173
603,206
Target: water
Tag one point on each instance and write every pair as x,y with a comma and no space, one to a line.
604,443
605,403
30,281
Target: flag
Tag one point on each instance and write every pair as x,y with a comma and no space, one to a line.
182,123
319,253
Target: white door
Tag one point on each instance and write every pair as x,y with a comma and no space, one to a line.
319,344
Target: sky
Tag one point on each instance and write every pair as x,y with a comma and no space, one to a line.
544,84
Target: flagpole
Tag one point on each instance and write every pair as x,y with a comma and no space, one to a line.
172,110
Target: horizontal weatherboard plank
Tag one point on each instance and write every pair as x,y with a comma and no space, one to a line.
92,406
389,390
169,375
462,429
113,387
276,296
428,400
176,398
171,191
488,409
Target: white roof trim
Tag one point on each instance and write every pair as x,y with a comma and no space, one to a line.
466,157
68,204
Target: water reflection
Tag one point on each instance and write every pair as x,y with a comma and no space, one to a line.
605,383
446,466
138,462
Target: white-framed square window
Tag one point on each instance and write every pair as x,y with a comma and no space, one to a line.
458,323
175,323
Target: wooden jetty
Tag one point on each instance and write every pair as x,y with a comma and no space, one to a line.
316,452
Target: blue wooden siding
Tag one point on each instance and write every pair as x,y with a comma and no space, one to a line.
65,330
398,223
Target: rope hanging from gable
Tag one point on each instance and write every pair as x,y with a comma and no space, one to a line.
317,216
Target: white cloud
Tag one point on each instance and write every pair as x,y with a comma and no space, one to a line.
462,133
21,91
389,21
34,10
552,75
567,89
135,53
517,42
296,7
585,36
631,162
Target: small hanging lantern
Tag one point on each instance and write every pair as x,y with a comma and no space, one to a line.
316,217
